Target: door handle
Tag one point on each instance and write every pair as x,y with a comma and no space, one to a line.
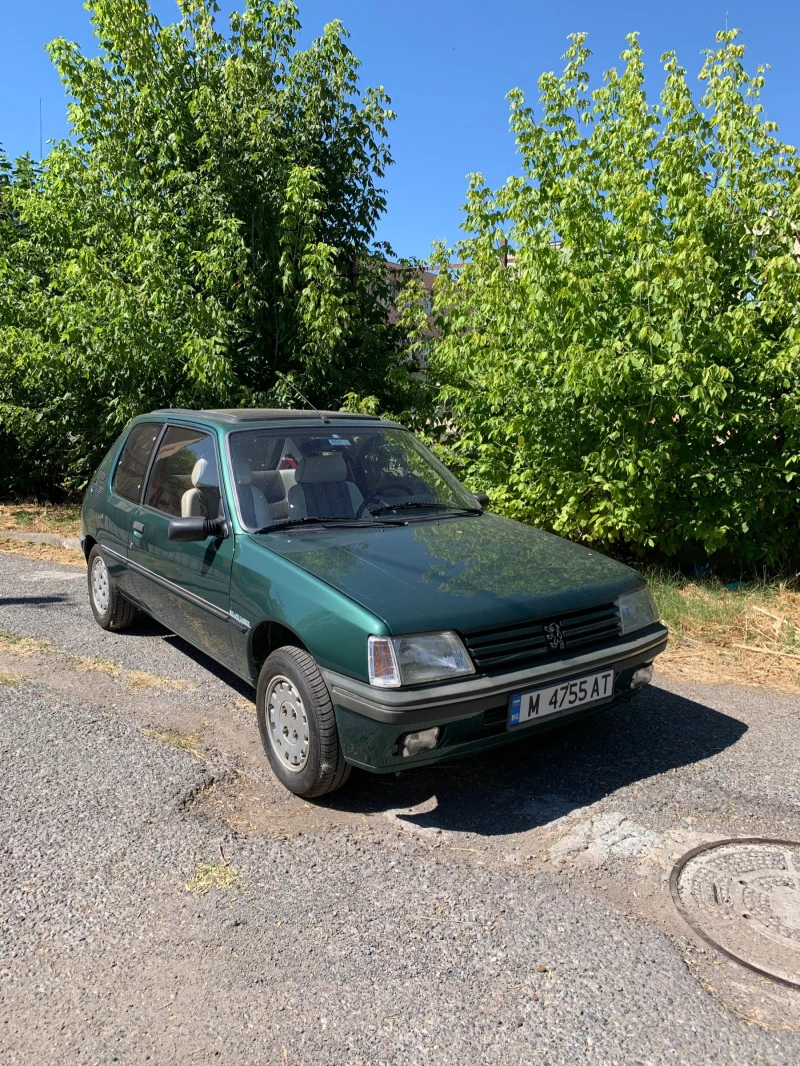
138,529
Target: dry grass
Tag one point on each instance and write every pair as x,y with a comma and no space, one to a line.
63,518
188,742
208,875
97,663
27,647
7,678
22,647
140,679
43,553
748,634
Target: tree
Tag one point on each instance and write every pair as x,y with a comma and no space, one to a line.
631,377
207,228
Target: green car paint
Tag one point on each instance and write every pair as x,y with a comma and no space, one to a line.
458,573
330,588
332,625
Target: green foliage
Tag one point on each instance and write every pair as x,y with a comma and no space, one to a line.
208,226
631,376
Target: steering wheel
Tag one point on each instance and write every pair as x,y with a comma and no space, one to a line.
390,488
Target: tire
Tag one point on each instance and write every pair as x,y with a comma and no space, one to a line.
109,607
298,726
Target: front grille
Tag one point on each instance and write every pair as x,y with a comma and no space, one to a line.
510,646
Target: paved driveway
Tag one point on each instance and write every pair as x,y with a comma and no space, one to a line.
163,901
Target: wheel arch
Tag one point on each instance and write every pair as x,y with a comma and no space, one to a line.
88,543
268,635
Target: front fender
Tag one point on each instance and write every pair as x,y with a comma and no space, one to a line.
265,587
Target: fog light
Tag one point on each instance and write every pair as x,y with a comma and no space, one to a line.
642,676
414,743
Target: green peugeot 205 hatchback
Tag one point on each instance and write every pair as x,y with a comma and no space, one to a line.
385,618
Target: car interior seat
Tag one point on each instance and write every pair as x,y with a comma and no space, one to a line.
321,489
289,479
253,503
271,485
201,499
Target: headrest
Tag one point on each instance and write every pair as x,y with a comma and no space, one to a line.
271,484
199,471
316,468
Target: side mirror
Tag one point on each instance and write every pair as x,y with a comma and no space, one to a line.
481,499
198,528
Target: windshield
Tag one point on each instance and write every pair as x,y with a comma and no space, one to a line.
337,473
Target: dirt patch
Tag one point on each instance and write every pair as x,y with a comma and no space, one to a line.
63,518
711,664
22,647
257,805
44,553
173,738
140,679
747,634
94,663
220,876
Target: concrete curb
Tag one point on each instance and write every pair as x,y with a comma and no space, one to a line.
41,538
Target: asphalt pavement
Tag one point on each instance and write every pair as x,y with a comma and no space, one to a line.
163,900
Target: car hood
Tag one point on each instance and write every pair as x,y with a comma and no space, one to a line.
465,574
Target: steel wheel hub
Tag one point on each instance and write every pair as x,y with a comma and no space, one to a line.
100,586
287,723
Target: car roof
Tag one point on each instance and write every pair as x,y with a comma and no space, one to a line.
251,416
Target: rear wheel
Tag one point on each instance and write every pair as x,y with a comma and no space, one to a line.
298,726
109,607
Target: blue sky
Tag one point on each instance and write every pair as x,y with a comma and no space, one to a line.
447,65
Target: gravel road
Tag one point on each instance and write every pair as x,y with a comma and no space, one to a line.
163,901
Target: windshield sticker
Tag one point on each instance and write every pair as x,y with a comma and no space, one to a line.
339,442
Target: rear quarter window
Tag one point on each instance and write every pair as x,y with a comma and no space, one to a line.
134,459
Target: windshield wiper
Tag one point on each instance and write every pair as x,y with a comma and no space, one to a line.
453,507
313,520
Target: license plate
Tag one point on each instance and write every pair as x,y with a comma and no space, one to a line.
538,703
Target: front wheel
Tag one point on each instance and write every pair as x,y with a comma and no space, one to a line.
109,607
298,726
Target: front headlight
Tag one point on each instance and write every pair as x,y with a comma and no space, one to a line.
396,661
636,610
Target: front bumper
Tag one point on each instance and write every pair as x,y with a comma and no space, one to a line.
472,712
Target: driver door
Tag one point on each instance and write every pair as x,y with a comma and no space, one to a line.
185,585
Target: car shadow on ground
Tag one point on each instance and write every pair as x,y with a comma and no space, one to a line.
149,627
532,782
535,780
32,601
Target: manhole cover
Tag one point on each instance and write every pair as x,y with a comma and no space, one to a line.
743,898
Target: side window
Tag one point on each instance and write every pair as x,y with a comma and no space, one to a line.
133,460
184,481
